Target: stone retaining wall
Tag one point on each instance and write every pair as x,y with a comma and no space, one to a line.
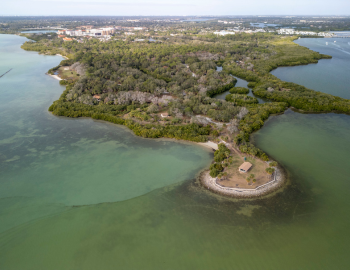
212,185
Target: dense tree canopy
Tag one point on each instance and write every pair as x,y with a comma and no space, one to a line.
130,83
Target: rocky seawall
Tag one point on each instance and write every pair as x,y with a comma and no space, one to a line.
278,179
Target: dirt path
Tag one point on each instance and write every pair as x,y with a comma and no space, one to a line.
234,149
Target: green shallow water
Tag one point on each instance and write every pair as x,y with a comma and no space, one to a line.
53,162
65,203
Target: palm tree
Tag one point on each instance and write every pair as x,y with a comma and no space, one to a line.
270,171
248,180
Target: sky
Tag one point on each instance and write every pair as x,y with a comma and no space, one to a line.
174,7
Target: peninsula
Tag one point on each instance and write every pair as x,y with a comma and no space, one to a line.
160,84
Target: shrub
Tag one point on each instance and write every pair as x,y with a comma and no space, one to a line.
273,164
251,84
239,90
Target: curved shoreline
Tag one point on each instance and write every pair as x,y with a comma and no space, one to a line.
54,76
210,183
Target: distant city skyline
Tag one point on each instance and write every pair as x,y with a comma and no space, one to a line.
173,8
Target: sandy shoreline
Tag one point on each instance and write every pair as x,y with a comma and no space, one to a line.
65,57
210,183
55,77
210,145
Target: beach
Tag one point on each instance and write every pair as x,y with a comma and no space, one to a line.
65,57
55,77
210,145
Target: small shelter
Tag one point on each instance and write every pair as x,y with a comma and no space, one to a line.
245,167
164,114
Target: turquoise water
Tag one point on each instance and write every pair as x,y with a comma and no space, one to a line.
65,206
328,75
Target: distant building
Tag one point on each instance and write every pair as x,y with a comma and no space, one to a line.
70,32
87,26
107,31
67,39
164,115
61,36
224,33
286,31
60,32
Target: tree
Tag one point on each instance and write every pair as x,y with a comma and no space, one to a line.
233,126
250,178
273,164
214,172
152,108
215,133
270,170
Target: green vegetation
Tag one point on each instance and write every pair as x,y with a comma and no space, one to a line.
190,132
251,84
221,89
258,113
127,83
301,98
239,90
270,170
251,150
251,178
220,156
241,100
273,164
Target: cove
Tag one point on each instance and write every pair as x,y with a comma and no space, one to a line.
328,75
48,163
184,227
